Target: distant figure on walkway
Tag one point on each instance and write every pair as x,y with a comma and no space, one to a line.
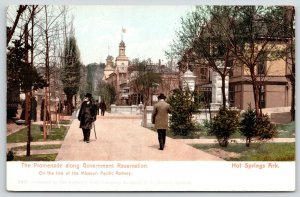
87,115
33,109
97,106
102,107
160,119
141,108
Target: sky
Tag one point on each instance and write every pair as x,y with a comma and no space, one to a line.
149,30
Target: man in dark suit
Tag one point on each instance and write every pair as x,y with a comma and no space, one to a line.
87,115
160,119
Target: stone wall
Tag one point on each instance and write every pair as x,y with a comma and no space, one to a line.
133,109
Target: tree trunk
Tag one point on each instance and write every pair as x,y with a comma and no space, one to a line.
256,99
223,77
146,101
45,114
248,141
255,90
292,53
47,76
28,96
223,142
293,100
28,120
21,9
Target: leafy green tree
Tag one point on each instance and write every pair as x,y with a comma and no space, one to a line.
20,75
253,126
200,41
107,93
247,127
256,34
145,79
265,130
233,35
94,76
71,71
224,124
183,104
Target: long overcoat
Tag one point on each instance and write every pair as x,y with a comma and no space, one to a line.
160,115
87,114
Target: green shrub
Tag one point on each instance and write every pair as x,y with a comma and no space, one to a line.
183,104
259,127
224,124
247,125
203,128
265,130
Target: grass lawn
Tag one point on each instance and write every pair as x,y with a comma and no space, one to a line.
286,130
37,147
37,134
256,151
49,157
65,122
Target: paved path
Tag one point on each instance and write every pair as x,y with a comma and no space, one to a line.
122,138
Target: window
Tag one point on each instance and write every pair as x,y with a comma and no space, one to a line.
203,73
262,64
207,96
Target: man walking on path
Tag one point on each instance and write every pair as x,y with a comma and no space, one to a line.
87,115
97,106
160,119
102,107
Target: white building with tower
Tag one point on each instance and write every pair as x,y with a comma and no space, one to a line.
116,73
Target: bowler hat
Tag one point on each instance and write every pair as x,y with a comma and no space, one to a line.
161,96
88,95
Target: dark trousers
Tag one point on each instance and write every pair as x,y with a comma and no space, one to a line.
161,137
102,112
86,134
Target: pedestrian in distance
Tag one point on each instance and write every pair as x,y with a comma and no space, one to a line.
141,108
97,106
102,107
160,119
87,115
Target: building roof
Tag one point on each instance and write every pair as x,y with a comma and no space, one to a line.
109,57
122,44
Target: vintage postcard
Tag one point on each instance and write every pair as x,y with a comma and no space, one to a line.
150,98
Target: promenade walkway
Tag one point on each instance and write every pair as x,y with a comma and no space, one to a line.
120,137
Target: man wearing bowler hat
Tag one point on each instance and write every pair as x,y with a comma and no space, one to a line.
87,115
160,119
